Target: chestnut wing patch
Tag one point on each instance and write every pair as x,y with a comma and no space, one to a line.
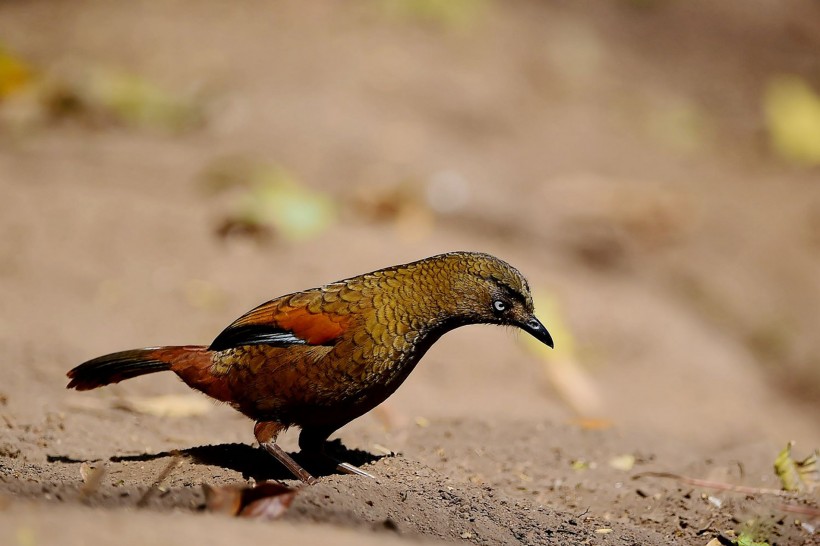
281,327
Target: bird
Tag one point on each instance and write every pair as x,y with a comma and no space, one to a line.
320,358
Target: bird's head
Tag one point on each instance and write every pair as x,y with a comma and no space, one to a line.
489,290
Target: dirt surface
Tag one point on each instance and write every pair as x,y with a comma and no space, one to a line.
616,153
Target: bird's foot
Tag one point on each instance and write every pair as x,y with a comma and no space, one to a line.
323,460
266,433
295,468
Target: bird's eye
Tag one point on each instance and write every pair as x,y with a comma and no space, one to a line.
499,306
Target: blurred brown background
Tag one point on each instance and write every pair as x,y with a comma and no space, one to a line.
651,166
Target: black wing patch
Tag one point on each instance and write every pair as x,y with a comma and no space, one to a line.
254,334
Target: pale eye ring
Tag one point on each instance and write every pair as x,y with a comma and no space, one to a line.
499,306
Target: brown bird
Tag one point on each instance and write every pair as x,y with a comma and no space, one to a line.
320,358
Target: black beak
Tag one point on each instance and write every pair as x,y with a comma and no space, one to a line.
538,331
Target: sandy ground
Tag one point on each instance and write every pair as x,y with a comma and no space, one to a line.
682,262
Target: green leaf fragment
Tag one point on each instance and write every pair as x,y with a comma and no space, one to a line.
792,112
746,539
15,74
799,476
136,101
444,13
277,200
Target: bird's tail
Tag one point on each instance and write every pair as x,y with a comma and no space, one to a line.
116,367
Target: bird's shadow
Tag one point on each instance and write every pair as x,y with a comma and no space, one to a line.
256,463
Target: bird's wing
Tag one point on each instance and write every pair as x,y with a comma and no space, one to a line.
298,319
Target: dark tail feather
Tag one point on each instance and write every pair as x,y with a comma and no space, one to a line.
116,367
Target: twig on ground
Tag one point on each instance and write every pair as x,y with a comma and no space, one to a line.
716,485
170,467
804,510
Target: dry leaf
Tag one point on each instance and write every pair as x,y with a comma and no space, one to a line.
268,507
92,477
167,405
85,471
623,462
224,500
266,500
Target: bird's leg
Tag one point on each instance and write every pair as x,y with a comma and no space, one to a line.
266,433
312,442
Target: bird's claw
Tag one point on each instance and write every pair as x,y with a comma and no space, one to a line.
348,468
